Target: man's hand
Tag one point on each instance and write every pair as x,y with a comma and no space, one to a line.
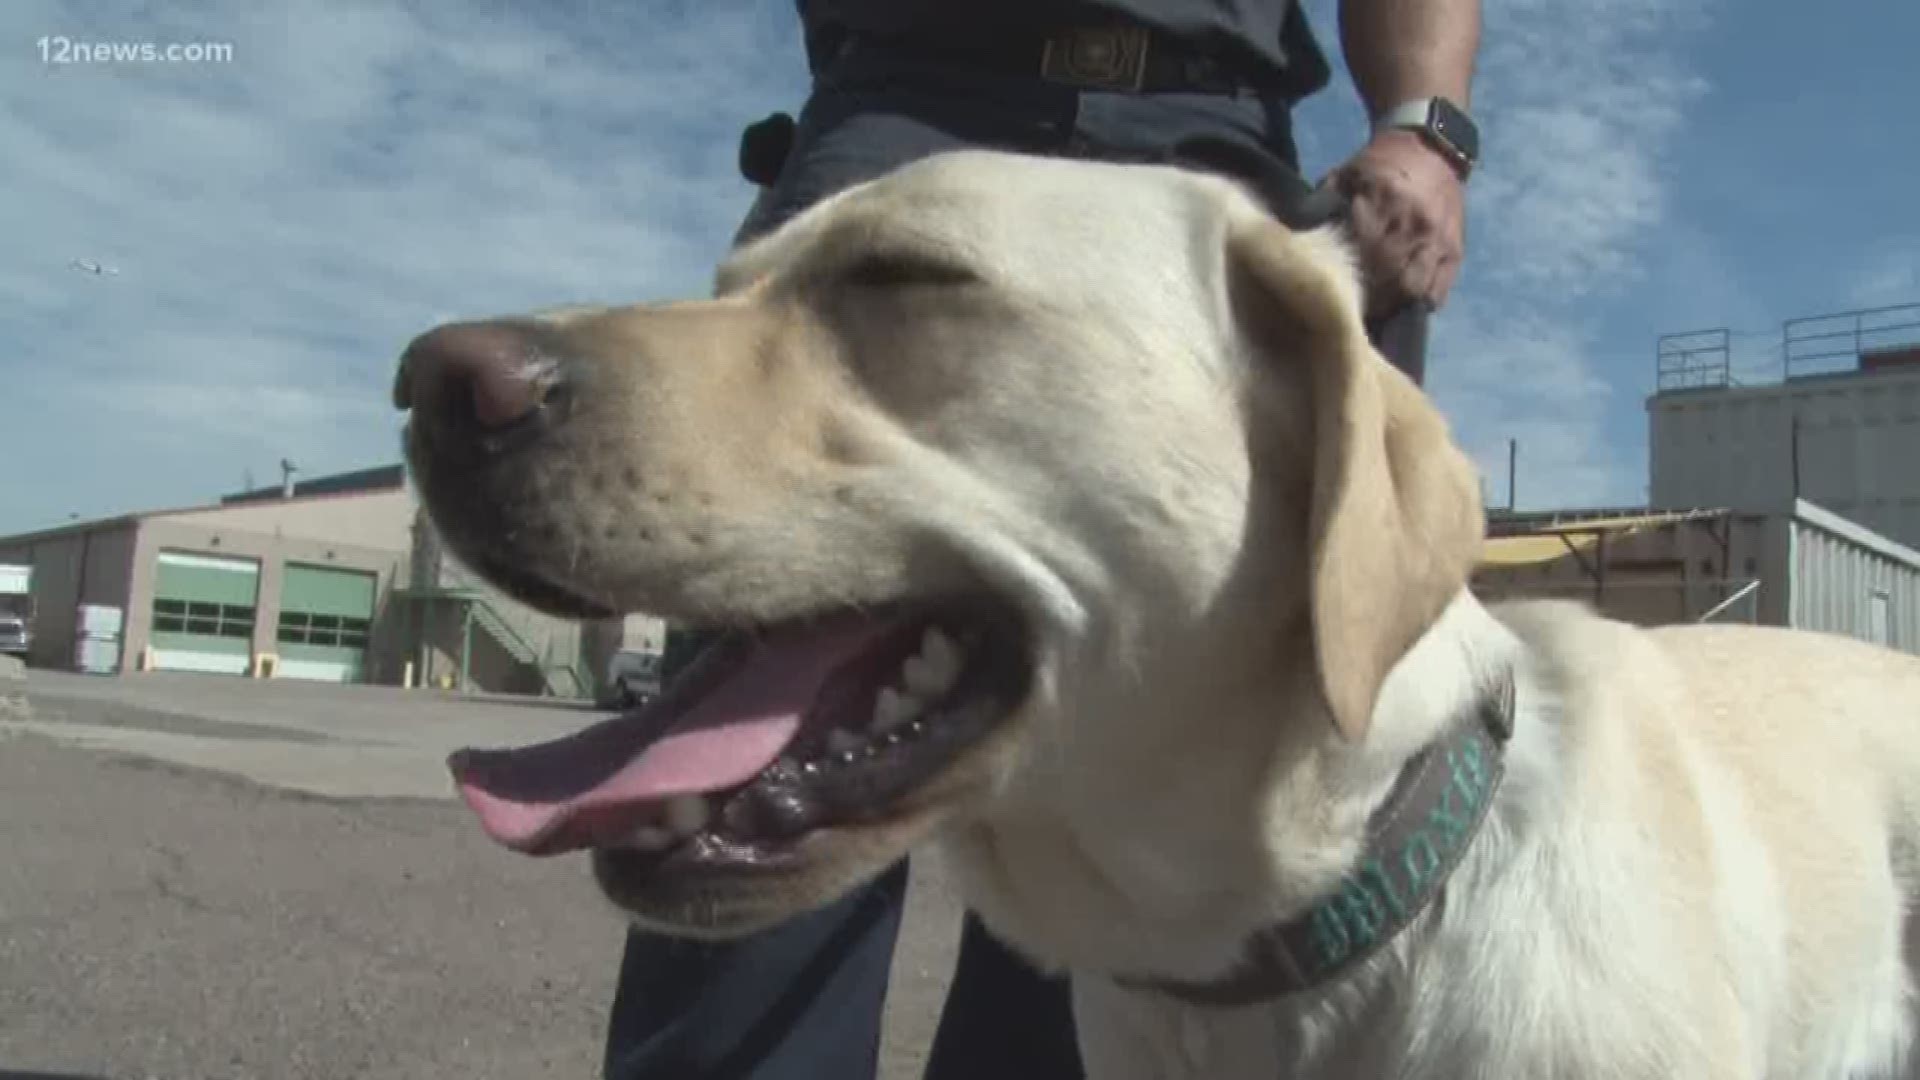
1407,218
1409,212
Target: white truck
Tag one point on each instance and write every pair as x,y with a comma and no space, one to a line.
633,679
16,609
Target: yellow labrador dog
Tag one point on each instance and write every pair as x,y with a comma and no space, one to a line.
1072,523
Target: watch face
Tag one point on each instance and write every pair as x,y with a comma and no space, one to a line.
1453,128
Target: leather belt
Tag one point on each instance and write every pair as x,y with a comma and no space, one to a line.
1122,57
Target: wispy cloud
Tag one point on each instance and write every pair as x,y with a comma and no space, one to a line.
358,171
284,221
1581,104
1521,372
1891,277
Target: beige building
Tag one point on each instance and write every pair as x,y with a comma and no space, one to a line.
1801,566
1814,502
337,579
1838,424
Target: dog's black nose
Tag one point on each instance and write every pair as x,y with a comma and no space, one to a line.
481,380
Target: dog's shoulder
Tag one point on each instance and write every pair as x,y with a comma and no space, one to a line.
1583,665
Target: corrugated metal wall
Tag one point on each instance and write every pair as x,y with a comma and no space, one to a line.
1815,570
1845,587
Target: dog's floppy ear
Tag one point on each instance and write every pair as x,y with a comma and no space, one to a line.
1396,523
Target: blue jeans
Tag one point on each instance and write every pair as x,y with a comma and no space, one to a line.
804,999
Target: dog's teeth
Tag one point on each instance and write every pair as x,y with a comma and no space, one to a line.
935,669
686,814
810,768
650,838
920,678
842,741
847,757
915,728
937,645
894,708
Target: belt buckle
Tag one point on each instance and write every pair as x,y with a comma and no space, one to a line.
1097,58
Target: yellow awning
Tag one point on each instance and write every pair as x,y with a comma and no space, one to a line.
1551,542
1531,550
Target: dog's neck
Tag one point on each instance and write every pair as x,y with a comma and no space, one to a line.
1440,792
1318,816
1175,883
1446,674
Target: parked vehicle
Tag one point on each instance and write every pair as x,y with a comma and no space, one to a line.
16,609
633,679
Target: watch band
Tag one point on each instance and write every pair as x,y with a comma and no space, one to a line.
1445,125
1407,114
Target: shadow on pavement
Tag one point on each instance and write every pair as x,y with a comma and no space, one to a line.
10,1074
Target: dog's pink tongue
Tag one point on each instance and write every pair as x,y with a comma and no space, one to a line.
593,787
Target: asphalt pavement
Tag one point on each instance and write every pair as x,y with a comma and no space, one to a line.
206,877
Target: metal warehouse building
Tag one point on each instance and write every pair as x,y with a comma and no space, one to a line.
1801,566
338,578
1807,475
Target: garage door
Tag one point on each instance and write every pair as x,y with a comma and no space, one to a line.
325,613
203,612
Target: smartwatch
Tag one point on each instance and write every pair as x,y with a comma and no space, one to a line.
1445,126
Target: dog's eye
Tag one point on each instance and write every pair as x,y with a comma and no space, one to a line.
881,271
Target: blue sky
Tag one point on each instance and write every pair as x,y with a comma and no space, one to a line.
285,221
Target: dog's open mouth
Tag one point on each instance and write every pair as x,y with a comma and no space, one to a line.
834,722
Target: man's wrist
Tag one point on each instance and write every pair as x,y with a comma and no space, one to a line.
1438,124
1402,140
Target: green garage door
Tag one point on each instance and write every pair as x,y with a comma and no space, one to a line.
203,613
324,617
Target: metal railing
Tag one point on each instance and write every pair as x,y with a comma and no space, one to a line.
1745,600
438,572
490,619
1694,358
1811,345
1644,603
1828,344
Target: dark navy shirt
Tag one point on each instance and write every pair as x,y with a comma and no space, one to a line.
1268,34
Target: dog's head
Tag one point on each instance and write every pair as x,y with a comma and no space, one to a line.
1057,502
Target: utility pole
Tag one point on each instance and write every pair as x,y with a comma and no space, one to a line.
1513,466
